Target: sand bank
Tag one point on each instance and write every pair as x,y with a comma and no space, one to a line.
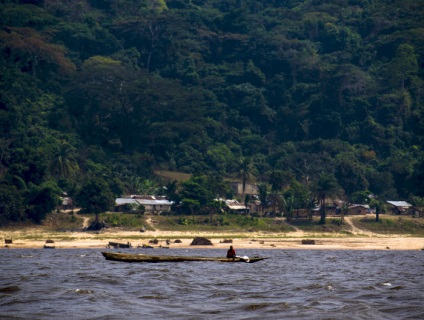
35,238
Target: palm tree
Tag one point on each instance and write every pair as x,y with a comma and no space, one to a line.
138,185
263,195
277,183
343,210
325,187
288,204
311,203
246,203
64,162
245,172
134,184
148,187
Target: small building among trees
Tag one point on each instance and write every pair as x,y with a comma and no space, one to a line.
358,209
235,206
66,203
150,203
400,207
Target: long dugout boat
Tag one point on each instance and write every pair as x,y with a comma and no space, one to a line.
128,257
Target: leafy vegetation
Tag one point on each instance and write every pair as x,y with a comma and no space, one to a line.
223,223
309,98
122,220
315,226
393,225
236,223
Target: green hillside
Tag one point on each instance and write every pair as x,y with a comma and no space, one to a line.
295,95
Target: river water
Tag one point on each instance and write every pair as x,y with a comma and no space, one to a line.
292,284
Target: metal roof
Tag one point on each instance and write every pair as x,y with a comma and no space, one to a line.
153,202
366,206
122,201
66,201
234,205
400,203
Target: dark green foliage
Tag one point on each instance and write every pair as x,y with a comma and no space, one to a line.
325,188
41,200
11,208
196,189
95,196
118,89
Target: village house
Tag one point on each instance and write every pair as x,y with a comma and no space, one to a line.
400,207
255,206
150,203
332,207
358,209
122,204
66,203
235,206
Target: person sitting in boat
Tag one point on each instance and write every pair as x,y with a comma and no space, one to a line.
231,253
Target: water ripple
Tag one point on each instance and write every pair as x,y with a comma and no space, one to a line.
293,284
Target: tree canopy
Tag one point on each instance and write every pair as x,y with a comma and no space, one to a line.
119,89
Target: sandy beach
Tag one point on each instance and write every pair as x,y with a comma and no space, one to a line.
291,240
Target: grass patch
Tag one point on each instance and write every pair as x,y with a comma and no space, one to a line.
389,224
220,223
234,225
173,175
62,221
332,225
125,220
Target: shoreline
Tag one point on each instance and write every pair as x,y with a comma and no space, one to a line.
85,240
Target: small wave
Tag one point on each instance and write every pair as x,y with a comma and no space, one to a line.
369,288
367,296
306,286
331,259
39,275
154,297
10,289
84,291
313,286
257,306
397,288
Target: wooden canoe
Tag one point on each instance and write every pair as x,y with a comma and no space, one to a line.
127,257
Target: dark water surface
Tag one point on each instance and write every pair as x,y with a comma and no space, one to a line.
293,284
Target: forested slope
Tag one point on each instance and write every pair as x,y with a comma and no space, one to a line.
107,91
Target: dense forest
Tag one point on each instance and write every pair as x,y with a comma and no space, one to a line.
302,97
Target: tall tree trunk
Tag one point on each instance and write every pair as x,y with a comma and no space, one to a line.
322,209
211,211
192,213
